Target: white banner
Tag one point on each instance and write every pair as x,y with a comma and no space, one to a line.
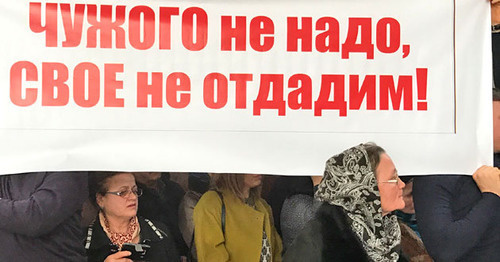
271,87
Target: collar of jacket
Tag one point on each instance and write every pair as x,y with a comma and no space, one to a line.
230,199
100,239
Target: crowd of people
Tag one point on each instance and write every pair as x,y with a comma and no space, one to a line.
359,209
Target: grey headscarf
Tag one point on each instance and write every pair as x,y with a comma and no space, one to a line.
350,182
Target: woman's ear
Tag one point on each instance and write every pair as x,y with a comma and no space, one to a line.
99,200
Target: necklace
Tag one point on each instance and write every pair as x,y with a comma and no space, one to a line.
120,238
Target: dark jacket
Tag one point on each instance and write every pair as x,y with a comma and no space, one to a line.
496,59
327,237
297,210
162,248
283,188
162,205
40,216
457,222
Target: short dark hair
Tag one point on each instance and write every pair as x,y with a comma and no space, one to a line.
374,151
496,94
199,182
97,184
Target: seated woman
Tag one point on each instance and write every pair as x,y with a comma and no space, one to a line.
236,225
116,195
360,189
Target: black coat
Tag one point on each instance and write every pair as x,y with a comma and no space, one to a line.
40,216
327,237
163,205
457,222
162,250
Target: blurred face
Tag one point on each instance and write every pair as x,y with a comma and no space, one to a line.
496,126
147,177
408,198
123,206
252,180
495,12
389,185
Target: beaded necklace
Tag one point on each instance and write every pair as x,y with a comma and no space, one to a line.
120,238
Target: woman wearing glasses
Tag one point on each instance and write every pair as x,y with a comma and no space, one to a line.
360,190
117,227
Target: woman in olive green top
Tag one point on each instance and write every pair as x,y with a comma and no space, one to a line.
247,234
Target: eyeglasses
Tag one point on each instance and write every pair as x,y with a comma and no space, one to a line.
391,181
125,193
395,181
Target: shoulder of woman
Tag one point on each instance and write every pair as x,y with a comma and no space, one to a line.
210,200
153,229
96,239
332,217
209,196
297,209
191,196
161,239
299,202
93,228
263,202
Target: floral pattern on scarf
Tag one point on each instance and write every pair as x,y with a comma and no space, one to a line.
350,182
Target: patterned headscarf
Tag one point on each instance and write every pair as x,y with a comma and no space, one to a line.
349,182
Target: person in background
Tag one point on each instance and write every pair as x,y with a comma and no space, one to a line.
411,243
179,178
360,190
407,214
160,201
116,196
234,223
495,29
40,216
298,209
457,214
284,187
198,184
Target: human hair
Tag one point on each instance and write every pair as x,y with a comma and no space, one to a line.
496,94
199,182
374,151
98,184
234,183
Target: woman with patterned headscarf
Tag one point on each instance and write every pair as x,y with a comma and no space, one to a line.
359,191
